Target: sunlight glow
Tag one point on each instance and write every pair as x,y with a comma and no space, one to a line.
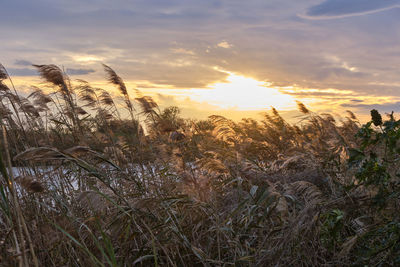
243,93
87,58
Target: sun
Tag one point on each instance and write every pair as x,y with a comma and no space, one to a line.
243,93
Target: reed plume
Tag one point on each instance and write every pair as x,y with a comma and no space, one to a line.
198,192
3,73
302,108
113,78
54,75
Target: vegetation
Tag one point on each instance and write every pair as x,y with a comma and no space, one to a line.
83,184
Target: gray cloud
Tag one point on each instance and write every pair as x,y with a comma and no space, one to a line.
364,108
79,71
21,62
33,72
344,8
21,72
269,41
338,72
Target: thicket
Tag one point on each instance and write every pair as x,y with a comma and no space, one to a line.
84,184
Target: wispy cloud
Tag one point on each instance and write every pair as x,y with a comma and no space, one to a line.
224,44
344,8
183,51
79,71
21,62
364,108
177,44
32,72
22,72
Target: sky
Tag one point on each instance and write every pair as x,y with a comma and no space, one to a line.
230,57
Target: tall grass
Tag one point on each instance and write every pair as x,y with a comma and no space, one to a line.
93,189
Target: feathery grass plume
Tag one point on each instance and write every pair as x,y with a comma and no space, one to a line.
5,112
107,107
3,73
80,111
224,128
27,107
329,118
3,76
87,94
307,192
3,87
41,99
351,115
212,165
30,184
12,97
53,74
268,117
15,102
113,78
302,108
105,114
275,113
147,104
278,121
106,99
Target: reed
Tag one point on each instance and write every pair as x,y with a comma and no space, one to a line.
93,189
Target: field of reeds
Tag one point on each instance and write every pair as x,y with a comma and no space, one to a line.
89,180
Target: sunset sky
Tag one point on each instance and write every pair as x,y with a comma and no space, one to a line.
230,57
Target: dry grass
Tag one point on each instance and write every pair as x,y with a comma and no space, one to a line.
95,190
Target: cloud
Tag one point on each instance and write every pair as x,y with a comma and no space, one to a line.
165,42
21,72
364,108
224,44
182,51
338,72
21,62
79,71
33,72
345,8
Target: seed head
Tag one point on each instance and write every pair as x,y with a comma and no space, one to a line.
376,117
